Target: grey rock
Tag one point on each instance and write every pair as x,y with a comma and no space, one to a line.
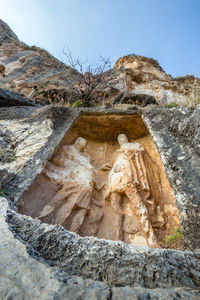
177,136
47,262
5,177
139,293
122,265
54,123
140,99
8,98
23,277
6,33
174,131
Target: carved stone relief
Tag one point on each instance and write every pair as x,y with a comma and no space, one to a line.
72,171
110,188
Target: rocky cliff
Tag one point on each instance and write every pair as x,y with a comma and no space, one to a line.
90,267
143,75
35,73
127,179
30,70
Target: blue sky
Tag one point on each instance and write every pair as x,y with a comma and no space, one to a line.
167,30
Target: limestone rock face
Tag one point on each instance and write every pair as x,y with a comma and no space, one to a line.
13,99
97,186
35,73
6,34
30,70
142,75
80,189
25,275
56,263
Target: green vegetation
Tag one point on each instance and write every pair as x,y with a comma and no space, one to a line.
176,235
173,241
171,105
191,102
3,193
7,155
76,104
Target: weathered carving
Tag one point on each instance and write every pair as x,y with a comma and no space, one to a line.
71,169
128,199
134,210
128,192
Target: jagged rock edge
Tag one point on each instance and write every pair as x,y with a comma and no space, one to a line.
97,113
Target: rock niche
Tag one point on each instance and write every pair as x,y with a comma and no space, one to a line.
105,179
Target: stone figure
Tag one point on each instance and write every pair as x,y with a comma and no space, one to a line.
128,184
72,170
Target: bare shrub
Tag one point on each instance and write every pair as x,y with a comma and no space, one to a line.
90,77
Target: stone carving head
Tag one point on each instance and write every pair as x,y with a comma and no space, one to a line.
122,139
80,143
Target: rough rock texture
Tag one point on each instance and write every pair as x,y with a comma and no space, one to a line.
23,277
60,264
141,99
35,73
5,177
50,197
143,75
13,99
30,70
176,134
122,264
6,33
36,133
40,261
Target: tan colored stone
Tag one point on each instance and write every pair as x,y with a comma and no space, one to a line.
138,209
71,169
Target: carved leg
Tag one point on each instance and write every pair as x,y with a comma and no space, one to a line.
58,200
117,217
78,220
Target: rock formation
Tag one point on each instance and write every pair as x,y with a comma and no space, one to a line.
31,70
129,200
103,263
142,75
35,73
13,99
80,189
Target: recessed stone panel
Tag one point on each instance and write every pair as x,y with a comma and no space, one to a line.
106,179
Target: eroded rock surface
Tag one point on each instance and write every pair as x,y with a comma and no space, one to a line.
44,261
134,79
90,267
31,70
176,134
25,277
13,99
98,186
142,75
